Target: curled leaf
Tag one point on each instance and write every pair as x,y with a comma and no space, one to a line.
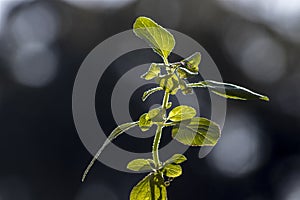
229,91
115,133
189,66
150,91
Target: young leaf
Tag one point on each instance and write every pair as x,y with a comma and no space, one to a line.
172,170
152,187
150,91
198,131
185,89
169,105
181,113
176,159
156,114
169,82
230,91
161,40
139,165
115,133
154,71
189,66
145,122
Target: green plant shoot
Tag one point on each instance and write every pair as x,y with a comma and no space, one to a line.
187,128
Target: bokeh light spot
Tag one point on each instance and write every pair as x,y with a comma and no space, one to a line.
34,65
240,149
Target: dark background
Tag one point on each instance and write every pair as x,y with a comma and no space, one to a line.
254,43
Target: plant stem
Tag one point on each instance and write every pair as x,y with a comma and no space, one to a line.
156,146
158,134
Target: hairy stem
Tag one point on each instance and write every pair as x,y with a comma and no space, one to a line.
158,133
156,146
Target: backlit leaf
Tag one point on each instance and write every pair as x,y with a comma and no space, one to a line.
189,66
198,131
176,159
181,113
145,122
230,91
139,165
156,114
172,170
161,40
185,89
154,71
169,82
152,187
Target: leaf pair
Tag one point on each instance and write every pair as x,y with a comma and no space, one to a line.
191,130
142,165
171,167
146,120
153,186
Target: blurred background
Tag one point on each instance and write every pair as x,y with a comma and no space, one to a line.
254,43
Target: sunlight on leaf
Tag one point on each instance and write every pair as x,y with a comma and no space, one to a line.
229,91
156,114
169,82
152,187
140,165
161,40
153,72
189,66
198,131
145,122
181,113
176,159
172,170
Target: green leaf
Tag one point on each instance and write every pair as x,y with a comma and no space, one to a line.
145,122
161,40
114,134
230,91
152,187
185,89
198,131
150,91
154,71
139,165
189,66
181,113
156,114
169,82
172,170
176,159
